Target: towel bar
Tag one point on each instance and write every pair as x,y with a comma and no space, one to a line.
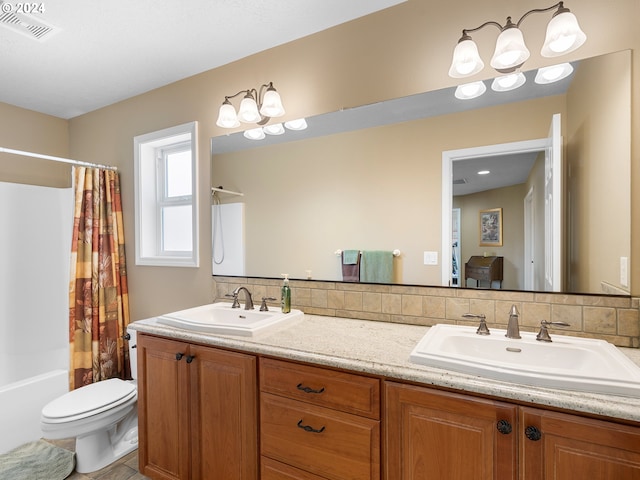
396,253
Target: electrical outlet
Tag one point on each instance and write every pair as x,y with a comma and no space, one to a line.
624,271
431,258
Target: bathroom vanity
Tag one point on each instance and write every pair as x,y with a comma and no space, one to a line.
331,398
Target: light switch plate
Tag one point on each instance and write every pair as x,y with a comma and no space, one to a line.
431,258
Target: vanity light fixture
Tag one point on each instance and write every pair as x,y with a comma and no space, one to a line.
563,36
275,129
257,106
470,90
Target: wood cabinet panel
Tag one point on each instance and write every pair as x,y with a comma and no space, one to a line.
163,414
572,447
197,412
327,388
224,412
435,435
329,443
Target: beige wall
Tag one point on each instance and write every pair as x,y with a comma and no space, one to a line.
394,53
597,149
25,130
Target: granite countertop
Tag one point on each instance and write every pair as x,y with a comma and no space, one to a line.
383,349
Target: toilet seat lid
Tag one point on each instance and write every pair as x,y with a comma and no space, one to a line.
90,399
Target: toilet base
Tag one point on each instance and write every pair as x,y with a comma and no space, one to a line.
99,449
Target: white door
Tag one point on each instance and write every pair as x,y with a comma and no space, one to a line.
553,213
529,241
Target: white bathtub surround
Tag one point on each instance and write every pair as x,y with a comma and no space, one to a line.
35,242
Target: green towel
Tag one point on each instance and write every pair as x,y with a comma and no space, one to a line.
350,257
376,266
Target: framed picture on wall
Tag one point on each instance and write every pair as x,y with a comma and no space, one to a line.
491,227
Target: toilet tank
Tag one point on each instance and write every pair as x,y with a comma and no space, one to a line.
133,353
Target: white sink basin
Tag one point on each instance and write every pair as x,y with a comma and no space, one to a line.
221,318
569,363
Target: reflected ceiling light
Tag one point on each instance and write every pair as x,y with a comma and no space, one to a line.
484,172
470,90
257,106
298,124
254,134
274,129
508,82
563,36
554,73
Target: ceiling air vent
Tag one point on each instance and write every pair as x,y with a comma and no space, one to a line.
25,24
460,181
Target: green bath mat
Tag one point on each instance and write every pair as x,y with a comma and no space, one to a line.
37,461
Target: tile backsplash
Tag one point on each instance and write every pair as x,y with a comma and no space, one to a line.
612,318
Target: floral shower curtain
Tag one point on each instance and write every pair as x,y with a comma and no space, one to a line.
98,293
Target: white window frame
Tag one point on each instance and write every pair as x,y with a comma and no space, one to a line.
149,196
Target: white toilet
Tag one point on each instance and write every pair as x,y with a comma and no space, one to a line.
102,416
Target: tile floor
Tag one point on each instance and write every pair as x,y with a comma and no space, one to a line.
124,469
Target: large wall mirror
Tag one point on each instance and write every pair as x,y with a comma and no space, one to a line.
371,179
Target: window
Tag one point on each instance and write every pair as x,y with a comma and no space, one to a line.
166,197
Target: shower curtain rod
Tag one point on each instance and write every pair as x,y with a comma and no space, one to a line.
56,159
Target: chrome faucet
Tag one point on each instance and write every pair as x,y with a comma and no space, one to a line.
248,301
543,334
513,328
482,328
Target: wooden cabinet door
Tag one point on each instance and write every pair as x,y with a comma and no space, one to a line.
438,435
163,412
556,446
223,415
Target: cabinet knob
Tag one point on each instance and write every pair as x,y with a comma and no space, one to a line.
190,358
308,389
504,427
308,428
179,356
532,433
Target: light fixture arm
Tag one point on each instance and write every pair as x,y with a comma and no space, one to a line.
559,6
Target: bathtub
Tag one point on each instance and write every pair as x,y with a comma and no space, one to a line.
21,403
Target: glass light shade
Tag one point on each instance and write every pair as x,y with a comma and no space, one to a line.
510,52
273,129
254,134
466,60
248,112
563,35
508,82
470,90
298,124
554,73
227,117
272,104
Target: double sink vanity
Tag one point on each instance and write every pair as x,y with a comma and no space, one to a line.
246,394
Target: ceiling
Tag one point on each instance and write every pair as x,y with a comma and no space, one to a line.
76,56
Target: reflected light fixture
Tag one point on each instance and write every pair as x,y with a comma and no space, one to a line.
257,106
470,90
563,36
511,81
554,73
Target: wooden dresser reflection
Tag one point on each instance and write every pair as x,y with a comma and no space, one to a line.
484,269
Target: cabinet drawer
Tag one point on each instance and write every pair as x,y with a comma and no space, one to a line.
332,444
327,388
272,470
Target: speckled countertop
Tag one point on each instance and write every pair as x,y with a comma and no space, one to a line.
383,349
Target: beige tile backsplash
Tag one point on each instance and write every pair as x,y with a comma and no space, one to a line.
615,319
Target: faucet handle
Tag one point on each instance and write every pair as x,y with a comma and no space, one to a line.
264,307
482,328
543,334
236,303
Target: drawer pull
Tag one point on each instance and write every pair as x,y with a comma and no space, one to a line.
532,433
179,356
308,428
309,389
